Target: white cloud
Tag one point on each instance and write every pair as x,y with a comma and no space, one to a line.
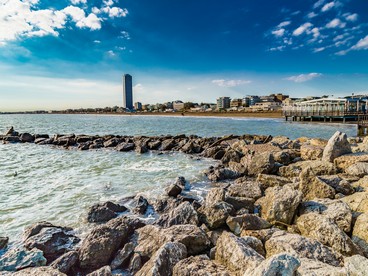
328,6
304,77
125,34
91,21
335,23
319,49
351,17
303,28
312,15
278,48
108,2
362,44
318,3
115,12
284,24
279,32
76,2
230,83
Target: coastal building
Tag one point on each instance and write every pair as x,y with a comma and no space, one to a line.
127,91
223,103
251,100
236,103
138,106
178,105
266,106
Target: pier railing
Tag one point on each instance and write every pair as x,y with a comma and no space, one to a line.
363,120
320,113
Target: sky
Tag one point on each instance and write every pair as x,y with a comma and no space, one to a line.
64,54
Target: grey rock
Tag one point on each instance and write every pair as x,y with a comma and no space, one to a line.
360,233
246,222
125,147
140,205
17,259
337,145
269,180
167,144
135,263
261,163
280,264
219,174
3,242
183,214
358,169
26,138
104,212
310,267
214,216
199,266
245,188
356,265
123,255
39,271
65,262
173,190
113,142
103,271
241,203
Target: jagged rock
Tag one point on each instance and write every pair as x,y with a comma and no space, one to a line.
231,156
214,216
173,190
151,237
102,243
316,166
164,260
311,152
357,202
199,266
313,186
345,161
325,230
310,267
279,204
269,180
52,240
238,168
140,205
218,174
340,185
183,214
261,163
234,253
302,247
125,147
360,233
113,142
263,234
12,139
358,169
104,212
248,189
3,242
10,132
337,145
336,210
246,222
135,263
181,182
65,262
167,144
254,243
280,264
26,138
356,265
103,271
241,203
123,255
154,145
361,185
214,196
39,271
17,259
141,149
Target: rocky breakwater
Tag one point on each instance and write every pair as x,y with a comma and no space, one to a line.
277,207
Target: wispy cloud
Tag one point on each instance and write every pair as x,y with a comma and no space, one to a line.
230,83
328,6
303,77
302,29
335,23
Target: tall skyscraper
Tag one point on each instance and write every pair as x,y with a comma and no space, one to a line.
127,91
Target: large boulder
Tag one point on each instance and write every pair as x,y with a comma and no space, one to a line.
261,163
361,185
311,152
339,184
360,233
52,240
345,161
263,234
102,243
26,138
234,253
214,216
296,245
219,174
103,271
199,266
280,264
17,259
326,231
39,271
337,145
214,196
245,188
122,257
358,202
316,166
336,210
270,180
3,242
103,212
359,169
310,267
65,262
279,204
246,222
164,260
151,238
356,265
183,214
313,186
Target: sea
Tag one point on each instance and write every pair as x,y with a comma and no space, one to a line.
46,183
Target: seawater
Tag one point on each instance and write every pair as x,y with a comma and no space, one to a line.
48,183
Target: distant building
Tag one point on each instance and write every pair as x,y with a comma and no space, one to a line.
236,103
178,105
223,102
169,105
281,97
127,91
251,100
138,106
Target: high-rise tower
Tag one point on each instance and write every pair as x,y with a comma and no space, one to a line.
127,91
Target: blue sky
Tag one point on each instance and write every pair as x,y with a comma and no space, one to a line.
72,53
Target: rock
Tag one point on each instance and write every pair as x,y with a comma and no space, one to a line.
173,190
313,186
135,263
181,182
183,214
231,156
236,255
167,144
154,145
214,216
340,185
26,138
216,152
357,202
337,145
317,167
3,242
140,205
279,204
164,260
141,149
310,267
269,180
356,265
238,168
358,169
263,234
199,266
102,243
254,243
125,147
261,163
214,196
345,161
123,255
336,210
302,247
280,264
219,174
248,189
65,262
17,259
360,233
241,203
246,222
9,132
361,185
103,271
39,271
324,230
311,152
52,240
12,139
151,238
113,142
104,212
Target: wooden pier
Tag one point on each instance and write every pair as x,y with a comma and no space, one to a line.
363,125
